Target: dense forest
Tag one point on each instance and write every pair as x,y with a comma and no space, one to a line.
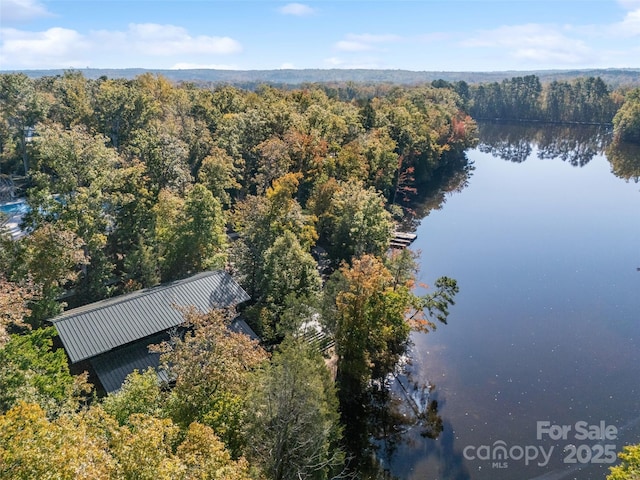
130,183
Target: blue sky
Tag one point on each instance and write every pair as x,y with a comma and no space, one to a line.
432,35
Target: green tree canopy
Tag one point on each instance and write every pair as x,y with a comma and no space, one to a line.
260,221
51,257
22,106
140,393
188,235
371,308
31,371
199,240
289,274
83,173
294,422
626,123
357,222
218,173
211,367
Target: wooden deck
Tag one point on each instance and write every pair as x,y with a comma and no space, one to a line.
402,240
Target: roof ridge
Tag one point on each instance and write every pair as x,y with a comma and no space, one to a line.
104,303
108,324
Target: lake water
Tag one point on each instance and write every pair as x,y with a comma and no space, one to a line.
544,242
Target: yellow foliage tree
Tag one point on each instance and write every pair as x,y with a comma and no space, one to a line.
90,445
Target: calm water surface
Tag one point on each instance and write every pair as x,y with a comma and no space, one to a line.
546,326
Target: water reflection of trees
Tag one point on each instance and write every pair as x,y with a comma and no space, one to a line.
512,143
625,160
574,144
432,195
406,413
400,411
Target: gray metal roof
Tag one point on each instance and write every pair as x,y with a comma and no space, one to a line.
113,367
102,326
239,325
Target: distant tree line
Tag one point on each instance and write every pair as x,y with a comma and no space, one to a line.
526,98
288,78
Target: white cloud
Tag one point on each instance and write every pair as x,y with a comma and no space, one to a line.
56,47
15,11
166,40
297,9
64,48
630,26
364,41
287,66
201,66
539,43
540,55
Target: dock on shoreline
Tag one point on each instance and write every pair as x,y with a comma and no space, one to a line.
402,240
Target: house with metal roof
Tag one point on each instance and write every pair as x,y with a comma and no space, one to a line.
113,335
